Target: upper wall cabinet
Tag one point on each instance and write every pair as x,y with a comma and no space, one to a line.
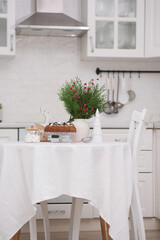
116,28
152,37
7,27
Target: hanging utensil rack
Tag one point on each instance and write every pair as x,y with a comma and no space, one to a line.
99,71
118,72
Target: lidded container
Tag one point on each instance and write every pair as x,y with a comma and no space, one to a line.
32,135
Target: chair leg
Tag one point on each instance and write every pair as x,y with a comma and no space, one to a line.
137,218
109,238
76,210
16,236
45,220
103,229
33,228
134,232
105,234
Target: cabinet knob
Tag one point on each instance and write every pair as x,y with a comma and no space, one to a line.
92,44
120,139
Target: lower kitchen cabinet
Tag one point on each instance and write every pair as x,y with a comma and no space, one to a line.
157,174
8,135
145,167
63,211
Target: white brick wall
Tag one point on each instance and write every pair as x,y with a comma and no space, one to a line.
42,64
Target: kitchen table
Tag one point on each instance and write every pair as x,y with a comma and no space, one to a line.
34,172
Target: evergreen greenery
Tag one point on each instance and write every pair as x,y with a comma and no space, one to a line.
81,100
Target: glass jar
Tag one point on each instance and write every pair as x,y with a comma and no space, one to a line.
32,135
0,112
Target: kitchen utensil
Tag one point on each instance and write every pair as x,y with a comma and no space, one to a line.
107,106
114,108
131,93
118,104
123,87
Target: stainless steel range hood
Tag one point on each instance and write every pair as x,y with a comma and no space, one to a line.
51,24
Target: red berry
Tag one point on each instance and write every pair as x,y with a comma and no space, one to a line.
97,78
77,100
85,92
92,79
85,84
92,109
79,97
72,85
74,96
92,83
89,88
75,91
95,115
86,113
70,88
85,104
86,108
81,109
84,87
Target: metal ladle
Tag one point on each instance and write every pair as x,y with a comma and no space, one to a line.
107,105
118,104
114,108
131,93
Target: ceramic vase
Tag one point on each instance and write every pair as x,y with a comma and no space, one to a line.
82,130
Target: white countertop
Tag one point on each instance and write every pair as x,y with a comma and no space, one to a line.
112,126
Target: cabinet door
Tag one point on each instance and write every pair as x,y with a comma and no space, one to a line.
116,28
121,135
157,173
8,135
152,37
63,211
7,27
146,193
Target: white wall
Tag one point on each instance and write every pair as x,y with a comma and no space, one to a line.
32,78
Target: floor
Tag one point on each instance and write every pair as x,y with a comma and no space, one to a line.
151,235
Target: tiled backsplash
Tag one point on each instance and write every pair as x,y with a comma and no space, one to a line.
32,78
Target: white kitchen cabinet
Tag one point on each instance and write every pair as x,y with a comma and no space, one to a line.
116,28
7,27
8,135
157,173
145,166
152,36
63,211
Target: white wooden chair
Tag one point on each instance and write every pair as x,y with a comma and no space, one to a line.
138,124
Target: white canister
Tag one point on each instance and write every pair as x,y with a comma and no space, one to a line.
32,135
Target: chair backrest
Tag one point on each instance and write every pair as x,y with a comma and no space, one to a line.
138,124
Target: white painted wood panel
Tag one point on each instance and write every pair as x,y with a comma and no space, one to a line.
62,211
8,135
152,36
146,193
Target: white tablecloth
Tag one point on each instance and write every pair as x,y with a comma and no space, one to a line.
30,173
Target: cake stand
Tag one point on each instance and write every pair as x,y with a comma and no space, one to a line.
60,134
